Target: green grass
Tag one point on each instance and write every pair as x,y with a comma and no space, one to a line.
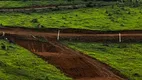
13,4
103,18
28,3
16,63
125,57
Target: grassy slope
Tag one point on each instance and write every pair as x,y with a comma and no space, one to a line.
127,58
104,18
17,63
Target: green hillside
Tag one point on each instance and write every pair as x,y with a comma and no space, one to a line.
28,3
16,63
12,4
103,18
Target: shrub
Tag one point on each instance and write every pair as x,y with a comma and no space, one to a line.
34,21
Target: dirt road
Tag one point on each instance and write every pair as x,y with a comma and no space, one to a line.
80,35
73,63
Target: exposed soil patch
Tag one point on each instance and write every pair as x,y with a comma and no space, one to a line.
79,34
72,63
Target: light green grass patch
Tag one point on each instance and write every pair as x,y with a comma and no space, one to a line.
103,18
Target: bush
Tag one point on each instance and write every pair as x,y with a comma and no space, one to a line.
34,21
90,4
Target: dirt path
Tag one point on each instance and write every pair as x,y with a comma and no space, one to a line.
73,35
74,64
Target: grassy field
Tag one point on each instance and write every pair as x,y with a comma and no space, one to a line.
127,58
103,18
16,63
13,4
29,3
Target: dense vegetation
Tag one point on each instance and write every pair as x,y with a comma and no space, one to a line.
16,63
103,18
127,58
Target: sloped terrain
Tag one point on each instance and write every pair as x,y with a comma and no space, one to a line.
73,64
17,63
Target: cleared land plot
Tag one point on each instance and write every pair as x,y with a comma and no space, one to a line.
127,58
72,63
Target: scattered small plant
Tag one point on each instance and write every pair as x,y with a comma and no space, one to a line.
34,21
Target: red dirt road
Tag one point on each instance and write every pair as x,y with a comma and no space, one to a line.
74,64
80,35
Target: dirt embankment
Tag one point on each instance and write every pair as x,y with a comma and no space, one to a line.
72,63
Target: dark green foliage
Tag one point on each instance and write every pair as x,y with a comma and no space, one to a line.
3,46
34,21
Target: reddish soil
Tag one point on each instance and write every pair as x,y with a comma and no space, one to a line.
79,35
74,64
